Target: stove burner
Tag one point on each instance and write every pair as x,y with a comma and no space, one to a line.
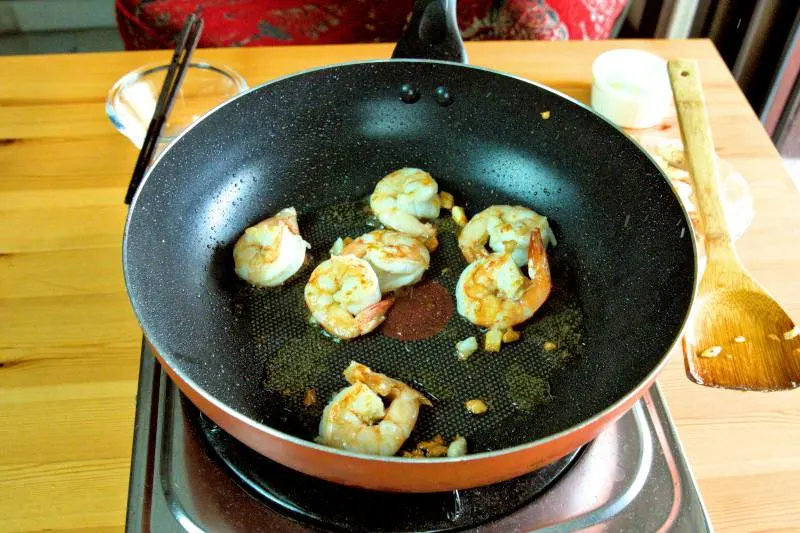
335,506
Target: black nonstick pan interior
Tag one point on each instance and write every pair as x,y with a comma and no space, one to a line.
623,270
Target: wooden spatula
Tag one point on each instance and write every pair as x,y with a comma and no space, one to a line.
738,336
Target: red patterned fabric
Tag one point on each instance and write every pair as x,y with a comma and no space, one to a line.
147,24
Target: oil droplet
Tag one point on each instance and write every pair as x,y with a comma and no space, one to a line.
527,390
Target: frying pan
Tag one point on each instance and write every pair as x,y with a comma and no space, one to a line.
624,268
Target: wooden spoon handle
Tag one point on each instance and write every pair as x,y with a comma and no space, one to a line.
701,158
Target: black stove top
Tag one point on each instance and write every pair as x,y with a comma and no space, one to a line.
189,475
334,506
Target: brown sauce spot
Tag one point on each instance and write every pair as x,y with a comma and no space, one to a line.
419,312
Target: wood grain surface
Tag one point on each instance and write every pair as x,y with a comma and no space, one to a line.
69,344
737,338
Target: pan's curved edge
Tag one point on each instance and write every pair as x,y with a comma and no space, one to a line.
581,433
396,474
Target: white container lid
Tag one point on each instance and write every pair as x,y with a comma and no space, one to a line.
631,88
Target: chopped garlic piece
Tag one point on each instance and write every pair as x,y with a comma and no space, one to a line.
458,447
432,243
476,407
739,339
545,114
493,340
458,215
428,448
446,200
466,348
310,398
338,246
549,346
511,336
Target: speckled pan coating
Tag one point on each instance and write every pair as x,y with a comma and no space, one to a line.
325,137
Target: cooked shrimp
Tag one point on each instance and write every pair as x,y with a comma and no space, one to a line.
493,293
398,259
502,226
404,197
356,419
343,295
270,252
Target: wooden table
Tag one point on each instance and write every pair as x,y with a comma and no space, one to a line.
69,344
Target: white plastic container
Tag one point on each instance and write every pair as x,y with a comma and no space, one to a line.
631,88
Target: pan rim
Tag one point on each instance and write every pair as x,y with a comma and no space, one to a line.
615,407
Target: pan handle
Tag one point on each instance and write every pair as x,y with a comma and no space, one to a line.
432,33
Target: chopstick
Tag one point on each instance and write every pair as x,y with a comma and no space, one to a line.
187,42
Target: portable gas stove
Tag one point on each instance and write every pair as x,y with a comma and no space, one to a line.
189,475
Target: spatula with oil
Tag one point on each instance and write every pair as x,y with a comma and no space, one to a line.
739,337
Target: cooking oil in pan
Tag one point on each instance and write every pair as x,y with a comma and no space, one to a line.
298,362
298,356
526,390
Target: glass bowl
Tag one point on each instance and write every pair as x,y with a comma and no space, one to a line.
132,100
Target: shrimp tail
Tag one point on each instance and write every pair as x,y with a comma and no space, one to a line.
373,316
423,400
381,384
356,372
360,373
538,271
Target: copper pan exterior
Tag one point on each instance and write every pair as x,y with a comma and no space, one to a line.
396,474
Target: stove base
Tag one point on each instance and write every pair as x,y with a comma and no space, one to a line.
633,477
